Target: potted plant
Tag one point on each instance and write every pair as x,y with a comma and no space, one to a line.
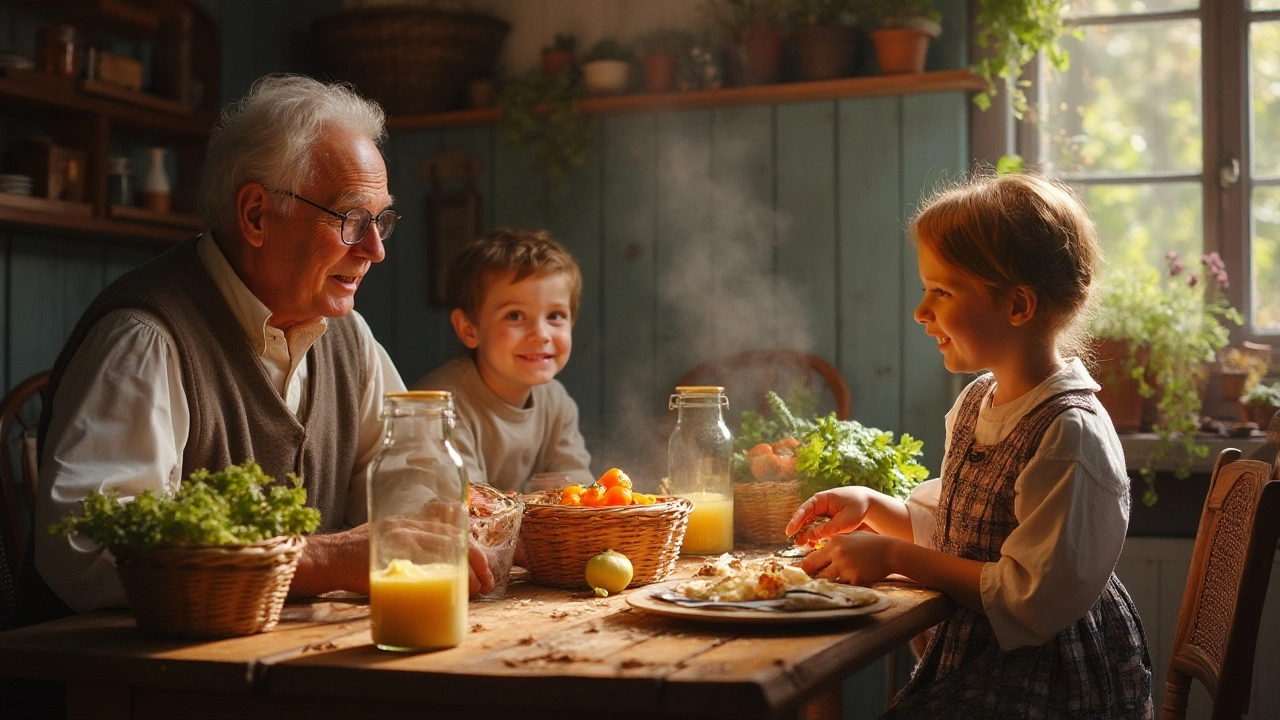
606,68
823,39
905,29
756,37
1259,403
1013,33
1240,368
540,112
661,52
558,56
213,559
1174,327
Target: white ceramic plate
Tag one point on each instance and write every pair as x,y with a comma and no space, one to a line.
645,599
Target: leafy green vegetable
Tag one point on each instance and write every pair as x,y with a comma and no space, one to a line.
237,506
845,452
832,452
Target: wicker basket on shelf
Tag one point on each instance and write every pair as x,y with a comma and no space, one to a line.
761,511
559,540
211,591
410,59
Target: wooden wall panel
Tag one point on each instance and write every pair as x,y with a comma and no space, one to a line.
630,393
934,128
872,248
37,277
808,251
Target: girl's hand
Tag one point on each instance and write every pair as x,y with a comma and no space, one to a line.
846,506
857,558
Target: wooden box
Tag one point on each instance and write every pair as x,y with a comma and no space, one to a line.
57,172
119,70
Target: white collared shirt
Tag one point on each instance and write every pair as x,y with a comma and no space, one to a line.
121,420
1072,506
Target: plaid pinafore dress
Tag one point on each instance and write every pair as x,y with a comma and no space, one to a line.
1096,669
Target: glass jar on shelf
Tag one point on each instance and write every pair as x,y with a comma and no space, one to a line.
418,526
700,458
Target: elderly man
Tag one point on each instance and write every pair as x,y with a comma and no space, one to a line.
240,344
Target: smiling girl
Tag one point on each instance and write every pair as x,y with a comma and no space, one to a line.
1025,525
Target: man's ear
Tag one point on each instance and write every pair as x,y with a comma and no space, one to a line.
1022,305
252,202
464,328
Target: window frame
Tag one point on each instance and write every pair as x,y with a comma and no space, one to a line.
1225,123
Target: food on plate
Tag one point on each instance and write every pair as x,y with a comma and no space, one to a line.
609,572
613,489
728,579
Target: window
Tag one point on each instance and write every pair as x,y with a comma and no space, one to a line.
1168,123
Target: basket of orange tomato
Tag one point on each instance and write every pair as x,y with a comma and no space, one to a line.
563,529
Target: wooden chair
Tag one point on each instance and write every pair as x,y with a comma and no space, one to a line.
1222,606
746,377
19,415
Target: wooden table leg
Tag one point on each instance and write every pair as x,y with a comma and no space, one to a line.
827,705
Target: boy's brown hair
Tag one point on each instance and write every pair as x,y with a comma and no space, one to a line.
509,250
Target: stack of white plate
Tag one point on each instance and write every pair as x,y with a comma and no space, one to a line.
15,184
15,60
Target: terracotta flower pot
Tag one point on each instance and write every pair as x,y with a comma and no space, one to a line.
902,48
823,52
553,61
659,72
1119,393
606,77
757,54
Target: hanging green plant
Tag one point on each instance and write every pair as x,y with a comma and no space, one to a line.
541,112
1015,31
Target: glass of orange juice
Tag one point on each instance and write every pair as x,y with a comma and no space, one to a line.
418,527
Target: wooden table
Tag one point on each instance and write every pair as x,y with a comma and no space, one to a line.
537,653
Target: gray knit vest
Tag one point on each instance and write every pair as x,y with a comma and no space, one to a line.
236,413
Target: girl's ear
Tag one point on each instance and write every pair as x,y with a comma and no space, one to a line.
464,328
1022,305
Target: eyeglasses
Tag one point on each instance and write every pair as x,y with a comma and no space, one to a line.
356,221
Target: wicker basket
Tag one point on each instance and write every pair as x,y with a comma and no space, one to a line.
210,591
761,511
410,59
559,540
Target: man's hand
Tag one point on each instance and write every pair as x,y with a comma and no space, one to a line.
337,561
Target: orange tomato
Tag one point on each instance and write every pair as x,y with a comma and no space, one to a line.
613,477
571,495
760,449
617,495
593,496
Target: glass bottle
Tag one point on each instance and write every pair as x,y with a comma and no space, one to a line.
156,189
418,526
700,457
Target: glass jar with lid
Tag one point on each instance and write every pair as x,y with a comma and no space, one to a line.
700,458
418,526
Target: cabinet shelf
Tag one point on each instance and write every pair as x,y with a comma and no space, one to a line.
46,216
878,85
131,18
41,91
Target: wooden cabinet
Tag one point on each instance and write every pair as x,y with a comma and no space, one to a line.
93,117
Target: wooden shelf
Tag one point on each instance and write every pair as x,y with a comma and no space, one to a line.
44,216
133,18
29,88
878,85
129,212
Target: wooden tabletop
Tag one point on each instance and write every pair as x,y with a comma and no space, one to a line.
539,652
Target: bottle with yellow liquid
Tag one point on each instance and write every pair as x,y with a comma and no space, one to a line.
418,526
700,457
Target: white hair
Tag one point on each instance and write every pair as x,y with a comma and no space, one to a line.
267,137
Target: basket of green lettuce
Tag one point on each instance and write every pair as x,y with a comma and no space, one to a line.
213,559
782,459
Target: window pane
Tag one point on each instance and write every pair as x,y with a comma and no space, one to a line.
1264,4
1264,50
1266,259
1129,103
1139,224
1084,8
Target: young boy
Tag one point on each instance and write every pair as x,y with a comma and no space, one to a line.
515,295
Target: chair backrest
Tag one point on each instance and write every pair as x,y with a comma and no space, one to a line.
748,375
19,416
1222,606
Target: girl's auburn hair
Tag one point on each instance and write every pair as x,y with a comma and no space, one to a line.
1019,229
